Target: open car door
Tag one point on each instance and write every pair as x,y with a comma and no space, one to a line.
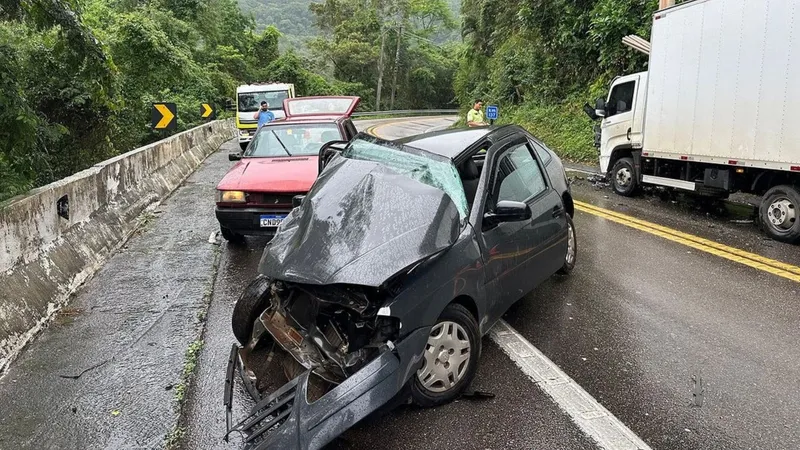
316,106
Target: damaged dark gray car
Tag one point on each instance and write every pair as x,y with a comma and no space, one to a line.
381,282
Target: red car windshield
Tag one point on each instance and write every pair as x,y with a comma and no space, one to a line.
292,140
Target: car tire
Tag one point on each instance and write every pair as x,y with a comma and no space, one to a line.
780,213
572,249
253,301
428,387
623,177
230,236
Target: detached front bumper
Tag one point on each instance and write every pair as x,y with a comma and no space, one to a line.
285,419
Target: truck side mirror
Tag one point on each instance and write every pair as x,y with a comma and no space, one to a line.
600,107
590,112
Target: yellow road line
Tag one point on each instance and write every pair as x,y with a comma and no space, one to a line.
759,262
372,130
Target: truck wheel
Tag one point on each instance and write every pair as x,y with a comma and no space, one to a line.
230,236
253,301
451,358
623,177
779,213
572,249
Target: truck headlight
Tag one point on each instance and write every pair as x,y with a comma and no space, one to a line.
231,196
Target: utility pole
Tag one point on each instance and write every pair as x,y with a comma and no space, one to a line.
396,63
380,72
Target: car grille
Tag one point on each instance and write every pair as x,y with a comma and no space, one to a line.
270,199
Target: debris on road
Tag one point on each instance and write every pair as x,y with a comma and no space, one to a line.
598,181
477,395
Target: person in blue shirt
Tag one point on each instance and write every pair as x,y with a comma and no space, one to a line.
264,115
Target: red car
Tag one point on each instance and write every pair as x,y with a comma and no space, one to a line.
279,163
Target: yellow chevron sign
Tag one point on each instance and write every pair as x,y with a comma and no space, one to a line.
164,116
207,111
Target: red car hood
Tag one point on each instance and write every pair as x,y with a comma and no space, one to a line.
278,174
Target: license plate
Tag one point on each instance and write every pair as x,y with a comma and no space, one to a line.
271,221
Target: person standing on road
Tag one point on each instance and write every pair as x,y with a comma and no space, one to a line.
475,115
264,115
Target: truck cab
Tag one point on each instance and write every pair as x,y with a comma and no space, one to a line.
248,101
622,114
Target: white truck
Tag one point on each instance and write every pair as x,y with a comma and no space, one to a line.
714,113
248,101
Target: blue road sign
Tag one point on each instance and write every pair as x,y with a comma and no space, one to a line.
491,112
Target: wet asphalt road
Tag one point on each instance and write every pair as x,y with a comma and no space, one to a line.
689,350
106,372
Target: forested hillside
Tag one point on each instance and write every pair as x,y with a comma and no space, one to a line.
77,77
291,17
542,59
389,48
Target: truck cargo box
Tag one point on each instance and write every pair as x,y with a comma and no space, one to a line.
724,83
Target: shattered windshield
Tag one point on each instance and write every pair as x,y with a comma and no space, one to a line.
427,168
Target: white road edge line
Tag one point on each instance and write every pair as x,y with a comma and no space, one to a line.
590,416
575,169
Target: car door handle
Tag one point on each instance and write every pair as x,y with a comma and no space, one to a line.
558,211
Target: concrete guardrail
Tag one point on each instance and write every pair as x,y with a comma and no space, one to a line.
57,236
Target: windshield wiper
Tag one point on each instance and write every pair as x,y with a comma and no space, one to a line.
279,142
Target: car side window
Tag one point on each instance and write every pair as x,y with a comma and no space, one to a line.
541,152
519,177
621,98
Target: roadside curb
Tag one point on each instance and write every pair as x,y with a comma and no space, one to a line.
174,439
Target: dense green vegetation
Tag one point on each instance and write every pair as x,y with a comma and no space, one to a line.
388,47
542,59
77,76
292,17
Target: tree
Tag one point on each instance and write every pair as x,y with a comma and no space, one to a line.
359,33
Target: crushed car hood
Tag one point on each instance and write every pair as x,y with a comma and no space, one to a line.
360,224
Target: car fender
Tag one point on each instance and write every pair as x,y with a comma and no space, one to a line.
427,290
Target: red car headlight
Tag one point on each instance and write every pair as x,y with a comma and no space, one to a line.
231,196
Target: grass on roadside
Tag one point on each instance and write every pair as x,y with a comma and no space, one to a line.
563,127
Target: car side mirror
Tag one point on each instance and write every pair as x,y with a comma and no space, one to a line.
508,211
600,107
234,156
328,151
297,200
